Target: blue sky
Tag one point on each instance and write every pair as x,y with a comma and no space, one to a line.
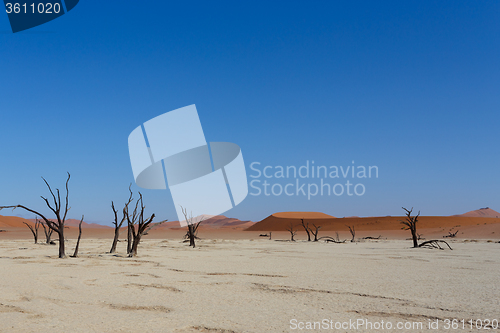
411,87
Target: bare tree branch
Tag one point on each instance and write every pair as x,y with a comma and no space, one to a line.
75,254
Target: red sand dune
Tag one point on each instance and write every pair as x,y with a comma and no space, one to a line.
85,225
281,221
483,212
7,222
214,222
277,223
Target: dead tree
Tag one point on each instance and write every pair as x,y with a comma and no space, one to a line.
292,232
352,231
59,211
330,239
270,235
315,232
34,229
306,228
434,244
192,232
138,224
371,237
75,254
129,238
48,234
451,234
118,224
411,224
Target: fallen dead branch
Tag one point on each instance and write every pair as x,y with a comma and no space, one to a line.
434,244
370,237
330,239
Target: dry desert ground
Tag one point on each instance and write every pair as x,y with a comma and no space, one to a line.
245,285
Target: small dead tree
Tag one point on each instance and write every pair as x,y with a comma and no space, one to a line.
270,235
306,228
411,224
292,232
192,232
34,229
315,232
48,234
118,224
59,211
138,224
352,231
434,244
451,234
75,254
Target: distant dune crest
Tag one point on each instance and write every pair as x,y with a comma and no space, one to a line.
302,215
483,212
282,221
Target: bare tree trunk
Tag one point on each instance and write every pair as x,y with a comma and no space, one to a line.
62,252
192,227
191,235
352,231
115,241
137,219
414,236
270,235
315,232
292,232
75,254
48,234
118,224
306,228
135,245
34,229
129,239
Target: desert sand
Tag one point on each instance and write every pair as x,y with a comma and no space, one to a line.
244,285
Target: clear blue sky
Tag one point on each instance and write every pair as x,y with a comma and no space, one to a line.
409,86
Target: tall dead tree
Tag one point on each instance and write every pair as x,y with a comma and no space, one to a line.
315,232
59,209
352,231
306,228
138,224
292,232
48,234
75,254
411,224
34,229
192,232
118,224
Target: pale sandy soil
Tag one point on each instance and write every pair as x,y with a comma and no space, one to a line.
244,285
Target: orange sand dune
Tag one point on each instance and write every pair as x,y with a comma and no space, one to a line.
302,215
282,221
483,212
274,223
7,222
214,222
